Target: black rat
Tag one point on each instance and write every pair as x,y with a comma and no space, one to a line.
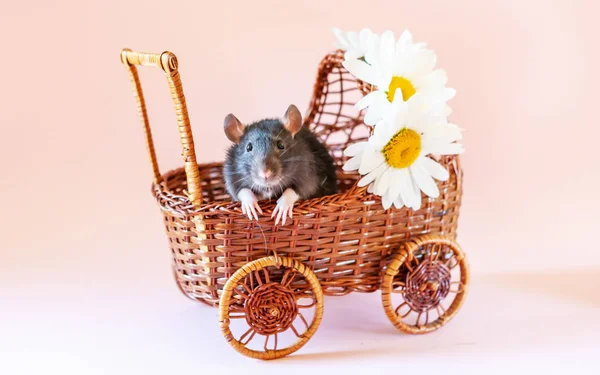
275,158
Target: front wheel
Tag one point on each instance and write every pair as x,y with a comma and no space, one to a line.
277,300
430,275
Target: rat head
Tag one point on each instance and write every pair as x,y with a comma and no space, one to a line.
262,147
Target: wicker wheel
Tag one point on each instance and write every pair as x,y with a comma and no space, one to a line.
267,297
426,273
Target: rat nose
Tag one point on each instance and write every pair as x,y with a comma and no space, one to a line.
266,173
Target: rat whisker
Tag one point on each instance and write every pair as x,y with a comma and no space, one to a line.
281,131
241,179
298,159
289,148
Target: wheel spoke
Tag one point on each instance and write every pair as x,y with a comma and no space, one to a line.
459,289
267,278
418,324
302,288
306,296
438,308
439,253
258,279
287,279
432,251
422,255
295,331
236,308
251,332
303,320
251,278
397,311
242,294
266,347
398,286
448,262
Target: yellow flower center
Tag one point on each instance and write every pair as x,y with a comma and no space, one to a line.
404,85
403,149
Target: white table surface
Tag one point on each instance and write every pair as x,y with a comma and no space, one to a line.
141,324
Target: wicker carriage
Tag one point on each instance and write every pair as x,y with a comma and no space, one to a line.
270,280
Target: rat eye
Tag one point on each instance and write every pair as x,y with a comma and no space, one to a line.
280,145
249,147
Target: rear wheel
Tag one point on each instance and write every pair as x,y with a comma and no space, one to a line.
425,284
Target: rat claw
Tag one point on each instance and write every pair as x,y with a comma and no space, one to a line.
249,204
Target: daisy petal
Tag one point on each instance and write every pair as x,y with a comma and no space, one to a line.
448,93
394,190
366,100
424,62
371,98
441,133
406,189
424,181
383,182
405,39
370,188
379,108
370,177
387,200
373,115
417,203
439,147
352,164
399,203
340,41
437,78
364,37
387,51
355,148
361,70
353,54
371,159
352,38
434,168
448,149
447,110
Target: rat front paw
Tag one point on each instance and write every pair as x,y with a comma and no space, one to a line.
249,204
285,206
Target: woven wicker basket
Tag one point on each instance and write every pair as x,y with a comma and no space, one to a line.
259,273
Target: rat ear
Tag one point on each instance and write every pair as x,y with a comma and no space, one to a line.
233,128
292,120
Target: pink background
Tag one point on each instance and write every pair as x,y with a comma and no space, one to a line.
84,262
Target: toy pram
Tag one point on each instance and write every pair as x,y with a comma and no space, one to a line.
271,279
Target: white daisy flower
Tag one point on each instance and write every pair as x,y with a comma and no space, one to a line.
395,161
355,44
404,65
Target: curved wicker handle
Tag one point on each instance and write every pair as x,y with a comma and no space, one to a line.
167,62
